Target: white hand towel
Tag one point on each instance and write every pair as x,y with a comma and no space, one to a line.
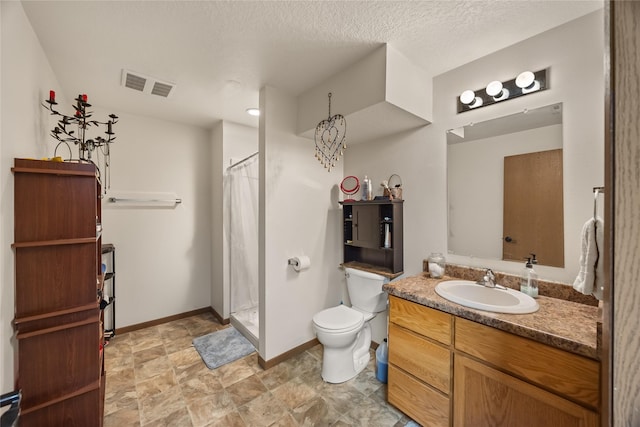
590,278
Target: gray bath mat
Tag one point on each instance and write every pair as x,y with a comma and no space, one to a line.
223,346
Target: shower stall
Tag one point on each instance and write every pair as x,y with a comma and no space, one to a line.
242,180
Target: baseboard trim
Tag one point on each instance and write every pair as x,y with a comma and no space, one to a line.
266,364
167,319
222,320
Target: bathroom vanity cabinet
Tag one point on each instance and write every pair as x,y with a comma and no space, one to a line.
420,347
448,371
372,235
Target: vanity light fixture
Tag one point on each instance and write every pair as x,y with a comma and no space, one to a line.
497,91
253,112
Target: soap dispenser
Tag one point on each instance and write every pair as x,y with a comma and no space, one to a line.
529,279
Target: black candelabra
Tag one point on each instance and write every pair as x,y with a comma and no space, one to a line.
74,129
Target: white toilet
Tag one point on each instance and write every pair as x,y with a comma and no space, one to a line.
345,332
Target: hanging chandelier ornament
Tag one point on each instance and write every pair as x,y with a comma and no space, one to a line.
330,139
73,129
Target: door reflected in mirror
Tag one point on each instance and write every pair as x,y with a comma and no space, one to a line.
505,184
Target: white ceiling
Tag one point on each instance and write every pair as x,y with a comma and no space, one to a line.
220,53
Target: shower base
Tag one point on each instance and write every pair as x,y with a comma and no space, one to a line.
247,323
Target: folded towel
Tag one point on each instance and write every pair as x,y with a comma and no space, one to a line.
590,279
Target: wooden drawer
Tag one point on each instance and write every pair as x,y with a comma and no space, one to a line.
423,320
428,361
568,374
419,401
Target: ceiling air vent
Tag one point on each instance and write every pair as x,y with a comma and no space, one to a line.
161,89
146,84
135,82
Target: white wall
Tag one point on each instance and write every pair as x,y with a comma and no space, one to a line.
419,164
218,244
380,94
299,215
406,86
163,255
239,142
574,53
353,89
26,80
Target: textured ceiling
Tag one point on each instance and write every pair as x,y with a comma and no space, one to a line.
220,53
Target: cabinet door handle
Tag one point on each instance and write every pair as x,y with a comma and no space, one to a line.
508,239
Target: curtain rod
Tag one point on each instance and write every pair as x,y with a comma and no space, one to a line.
243,160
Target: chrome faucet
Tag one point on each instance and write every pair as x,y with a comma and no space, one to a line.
489,279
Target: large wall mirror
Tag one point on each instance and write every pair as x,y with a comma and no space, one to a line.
505,187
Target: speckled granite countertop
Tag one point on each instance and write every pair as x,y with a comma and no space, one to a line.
566,325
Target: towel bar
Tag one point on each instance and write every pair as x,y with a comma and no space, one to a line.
115,200
596,192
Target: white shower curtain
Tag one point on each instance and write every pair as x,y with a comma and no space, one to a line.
243,232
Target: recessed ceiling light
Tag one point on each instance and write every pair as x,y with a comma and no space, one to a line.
253,111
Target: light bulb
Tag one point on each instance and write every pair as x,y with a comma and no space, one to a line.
494,88
467,97
525,79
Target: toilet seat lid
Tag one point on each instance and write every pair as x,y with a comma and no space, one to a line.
338,318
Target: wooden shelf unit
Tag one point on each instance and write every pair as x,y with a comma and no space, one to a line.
59,364
364,225
108,304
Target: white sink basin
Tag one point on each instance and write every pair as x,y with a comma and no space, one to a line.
472,295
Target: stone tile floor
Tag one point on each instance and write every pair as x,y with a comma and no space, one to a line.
156,378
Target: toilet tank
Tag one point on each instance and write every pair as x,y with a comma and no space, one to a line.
365,290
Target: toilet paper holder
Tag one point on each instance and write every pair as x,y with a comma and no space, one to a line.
299,263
